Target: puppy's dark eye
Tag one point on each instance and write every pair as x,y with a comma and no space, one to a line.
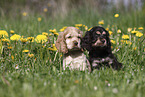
69,37
79,37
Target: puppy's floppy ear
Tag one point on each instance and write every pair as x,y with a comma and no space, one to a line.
86,41
61,44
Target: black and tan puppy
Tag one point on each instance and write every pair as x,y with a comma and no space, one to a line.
97,42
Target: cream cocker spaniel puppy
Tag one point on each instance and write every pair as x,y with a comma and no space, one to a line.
68,42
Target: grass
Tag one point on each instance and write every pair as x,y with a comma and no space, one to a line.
42,74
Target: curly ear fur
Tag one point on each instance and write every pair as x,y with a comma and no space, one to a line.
86,41
60,43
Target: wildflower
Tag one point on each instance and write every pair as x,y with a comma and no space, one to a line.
24,13
50,34
76,81
140,28
86,27
134,31
12,31
78,25
44,33
134,48
127,42
15,37
56,33
129,29
12,57
101,22
107,29
25,51
125,37
112,41
45,9
39,19
95,88
5,40
41,39
53,31
62,29
53,48
30,55
110,32
23,40
31,39
16,67
9,47
116,15
3,33
118,31
139,34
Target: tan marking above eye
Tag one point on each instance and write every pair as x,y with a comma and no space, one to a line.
98,32
104,32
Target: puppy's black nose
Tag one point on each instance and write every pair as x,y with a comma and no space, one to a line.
102,41
75,43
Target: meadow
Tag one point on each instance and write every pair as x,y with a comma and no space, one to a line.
30,65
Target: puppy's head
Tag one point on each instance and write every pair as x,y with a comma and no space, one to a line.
97,37
69,40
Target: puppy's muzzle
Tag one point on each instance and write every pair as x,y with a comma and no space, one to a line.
101,42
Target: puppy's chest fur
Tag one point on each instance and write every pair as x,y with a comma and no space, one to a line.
74,60
101,61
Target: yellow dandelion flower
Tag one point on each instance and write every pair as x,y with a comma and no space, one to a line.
116,15
56,33
134,31
3,33
118,31
112,41
86,28
62,29
44,33
30,39
135,48
15,37
5,40
12,57
30,55
45,9
107,29
25,51
39,19
53,48
125,37
140,28
52,30
23,40
41,39
12,31
50,34
78,25
9,47
110,32
101,22
139,34
24,13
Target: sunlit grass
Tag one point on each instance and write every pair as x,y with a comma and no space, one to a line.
32,67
